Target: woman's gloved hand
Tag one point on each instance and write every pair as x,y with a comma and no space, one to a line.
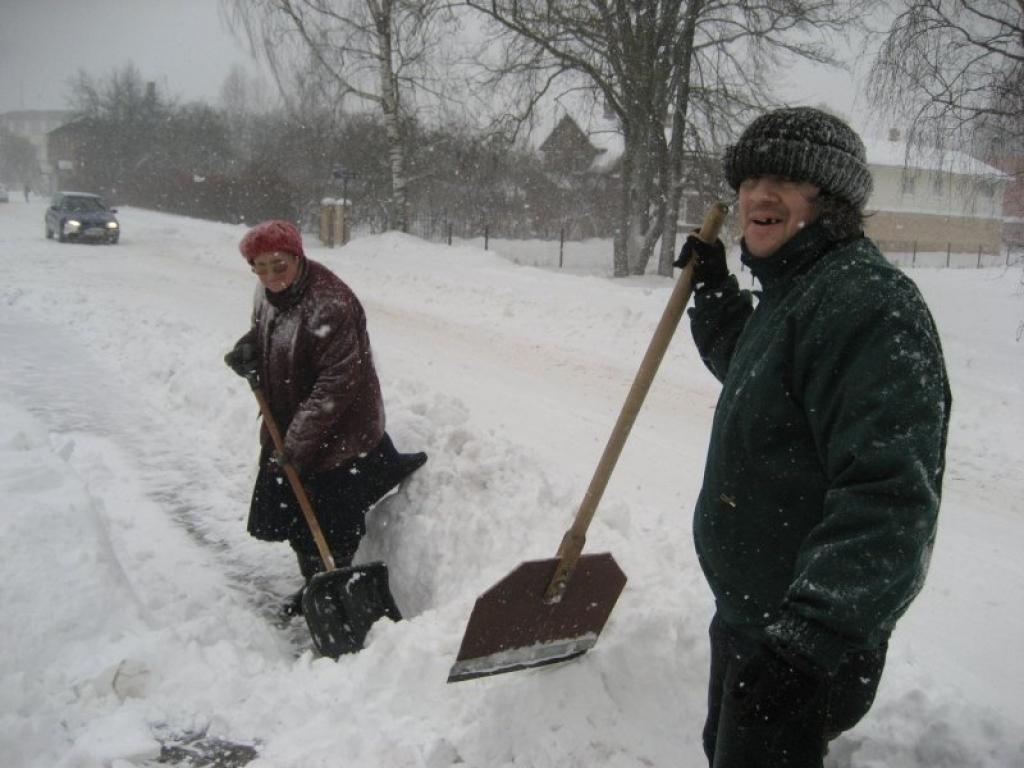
243,359
278,461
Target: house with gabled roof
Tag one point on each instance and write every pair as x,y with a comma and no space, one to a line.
585,169
922,201
933,201
567,149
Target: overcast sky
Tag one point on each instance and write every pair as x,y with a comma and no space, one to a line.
184,45
188,49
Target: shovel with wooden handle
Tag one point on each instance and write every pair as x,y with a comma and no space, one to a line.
548,611
340,604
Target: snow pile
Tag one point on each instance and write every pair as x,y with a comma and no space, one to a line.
137,613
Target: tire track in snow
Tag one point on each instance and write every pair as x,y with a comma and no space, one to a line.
146,486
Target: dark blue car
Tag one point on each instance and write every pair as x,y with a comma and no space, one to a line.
81,216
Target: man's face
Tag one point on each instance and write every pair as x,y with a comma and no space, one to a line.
773,209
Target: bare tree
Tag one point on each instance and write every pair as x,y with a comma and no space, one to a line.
121,117
366,52
953,71
245,94
677,75
249,106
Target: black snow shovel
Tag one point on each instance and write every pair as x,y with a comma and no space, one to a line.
340,604
547,611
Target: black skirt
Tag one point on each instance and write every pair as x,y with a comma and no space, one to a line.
340,499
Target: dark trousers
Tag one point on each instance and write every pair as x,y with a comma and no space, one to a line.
799,742
340,499
312,564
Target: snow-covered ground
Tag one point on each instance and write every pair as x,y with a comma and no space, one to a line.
135,611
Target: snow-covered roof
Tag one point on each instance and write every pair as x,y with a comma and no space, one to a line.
895,154
881,151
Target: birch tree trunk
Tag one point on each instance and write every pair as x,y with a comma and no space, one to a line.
673,183
381,12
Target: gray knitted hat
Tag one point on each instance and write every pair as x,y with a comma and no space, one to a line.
803,144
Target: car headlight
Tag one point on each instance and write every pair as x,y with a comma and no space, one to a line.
72,225
111,225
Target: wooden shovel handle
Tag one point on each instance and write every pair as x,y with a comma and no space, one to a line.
574,539
293,478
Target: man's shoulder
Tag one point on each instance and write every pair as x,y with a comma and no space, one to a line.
859,267
861,252
854,285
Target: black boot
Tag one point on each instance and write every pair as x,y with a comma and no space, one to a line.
385,469
409,463
309,566
292,605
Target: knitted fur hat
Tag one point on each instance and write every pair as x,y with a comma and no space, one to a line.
273,235
803,144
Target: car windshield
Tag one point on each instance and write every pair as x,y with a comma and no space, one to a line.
82,204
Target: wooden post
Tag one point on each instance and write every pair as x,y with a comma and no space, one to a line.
913,259
449,233
338,222
487,236
949,249
346,224
326,221
561,247
979,256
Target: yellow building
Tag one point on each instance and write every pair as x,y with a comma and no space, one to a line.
930,201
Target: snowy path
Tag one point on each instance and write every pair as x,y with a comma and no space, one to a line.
151,491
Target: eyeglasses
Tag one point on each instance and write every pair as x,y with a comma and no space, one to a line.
278,267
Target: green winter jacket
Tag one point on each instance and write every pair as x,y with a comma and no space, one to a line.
821,490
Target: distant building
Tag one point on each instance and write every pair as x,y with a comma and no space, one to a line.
1013,197
921,201
585,171
932,201
34,125
67,146
567,149
574,197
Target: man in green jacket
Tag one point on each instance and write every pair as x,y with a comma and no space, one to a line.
818,509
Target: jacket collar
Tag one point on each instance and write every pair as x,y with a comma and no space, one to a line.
795,255
291,295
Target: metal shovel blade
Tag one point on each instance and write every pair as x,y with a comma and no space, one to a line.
341,605
512,627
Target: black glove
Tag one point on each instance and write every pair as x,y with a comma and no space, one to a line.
710,269
244,359
769,689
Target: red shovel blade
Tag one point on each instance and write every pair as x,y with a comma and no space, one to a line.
512,627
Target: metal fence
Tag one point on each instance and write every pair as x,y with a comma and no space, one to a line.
561,250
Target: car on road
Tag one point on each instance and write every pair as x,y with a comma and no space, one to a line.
81,216
4,197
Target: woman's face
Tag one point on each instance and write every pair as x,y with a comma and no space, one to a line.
276,270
